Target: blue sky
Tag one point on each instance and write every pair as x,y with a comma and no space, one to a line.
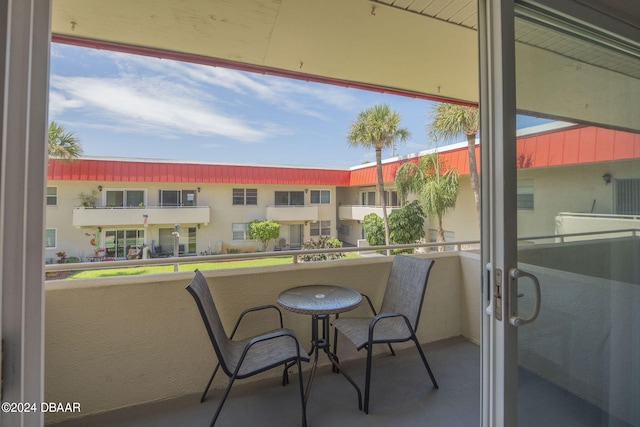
133,106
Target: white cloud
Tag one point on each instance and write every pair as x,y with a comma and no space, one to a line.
58,103
151,103
291,95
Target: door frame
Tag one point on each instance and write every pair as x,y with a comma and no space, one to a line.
496,34
499,228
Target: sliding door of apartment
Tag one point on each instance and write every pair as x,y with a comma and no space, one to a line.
561,219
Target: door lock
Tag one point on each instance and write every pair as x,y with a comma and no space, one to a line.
497,294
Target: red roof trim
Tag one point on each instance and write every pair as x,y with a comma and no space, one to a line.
127,171
571,146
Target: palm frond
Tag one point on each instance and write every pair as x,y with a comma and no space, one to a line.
450,120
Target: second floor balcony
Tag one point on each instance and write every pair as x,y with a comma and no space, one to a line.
358,212
154,215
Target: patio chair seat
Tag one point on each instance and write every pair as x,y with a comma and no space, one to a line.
356,330
263,355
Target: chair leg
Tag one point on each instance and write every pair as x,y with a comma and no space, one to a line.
224,398
391,349
424,360
302,399
367,381
285,374
204,395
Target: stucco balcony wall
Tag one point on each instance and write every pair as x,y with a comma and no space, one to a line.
358,212
117,342
101,217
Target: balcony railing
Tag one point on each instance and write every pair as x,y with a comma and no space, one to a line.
292,213
358,212
154,215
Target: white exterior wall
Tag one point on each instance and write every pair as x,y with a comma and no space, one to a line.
461,220
218,197
581,185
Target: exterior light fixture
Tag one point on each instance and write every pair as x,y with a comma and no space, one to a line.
99,187
607,178
198,189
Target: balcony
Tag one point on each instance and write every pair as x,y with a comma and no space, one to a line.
358,212
133,351
286,213
155,215
118,342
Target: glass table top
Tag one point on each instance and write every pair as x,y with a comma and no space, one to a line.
319,299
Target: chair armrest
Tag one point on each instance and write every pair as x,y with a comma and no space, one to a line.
254,309
382,316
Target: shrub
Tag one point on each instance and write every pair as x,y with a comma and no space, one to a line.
322,243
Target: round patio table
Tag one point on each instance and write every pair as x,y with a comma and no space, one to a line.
321,301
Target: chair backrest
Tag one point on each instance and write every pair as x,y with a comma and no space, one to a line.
406,287
199,289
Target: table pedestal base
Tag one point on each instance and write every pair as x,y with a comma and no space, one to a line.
322,343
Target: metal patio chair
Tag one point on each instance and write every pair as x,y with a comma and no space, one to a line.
398,317
244,358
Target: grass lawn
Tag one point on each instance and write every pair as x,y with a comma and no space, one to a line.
153,269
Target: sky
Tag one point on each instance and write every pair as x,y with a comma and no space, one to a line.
121,105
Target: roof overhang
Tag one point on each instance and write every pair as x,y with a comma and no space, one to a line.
355,41
412,47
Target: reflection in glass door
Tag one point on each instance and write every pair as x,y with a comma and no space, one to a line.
578,216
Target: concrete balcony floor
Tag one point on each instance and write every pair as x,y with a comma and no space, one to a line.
401,395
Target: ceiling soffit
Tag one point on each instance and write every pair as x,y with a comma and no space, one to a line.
354,41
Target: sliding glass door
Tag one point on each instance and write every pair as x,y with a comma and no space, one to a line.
561,223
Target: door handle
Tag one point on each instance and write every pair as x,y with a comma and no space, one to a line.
514,275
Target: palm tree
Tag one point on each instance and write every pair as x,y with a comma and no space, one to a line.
449,121
435,186
63,144
378,127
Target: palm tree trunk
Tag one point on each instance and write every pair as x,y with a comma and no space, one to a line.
473,173
440,233
381,195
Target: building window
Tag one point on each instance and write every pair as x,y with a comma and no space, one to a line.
344,229
245,196
322,197
368,198
240,231
177,198
289,198
525,195
627,196
50,238
124,198
52,196
118,242
391,198
320,228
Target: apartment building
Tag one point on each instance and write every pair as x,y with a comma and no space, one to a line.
112,205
